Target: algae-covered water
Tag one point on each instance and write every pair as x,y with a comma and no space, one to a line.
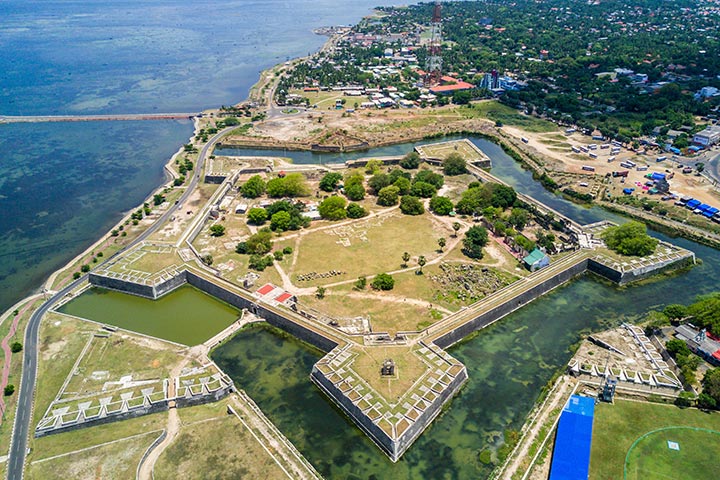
507,364
186,315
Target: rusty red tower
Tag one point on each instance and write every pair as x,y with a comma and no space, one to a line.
434,60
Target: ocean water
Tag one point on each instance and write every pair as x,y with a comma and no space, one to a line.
63,184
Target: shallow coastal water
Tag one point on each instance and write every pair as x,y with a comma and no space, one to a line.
186,315
62,185
507,364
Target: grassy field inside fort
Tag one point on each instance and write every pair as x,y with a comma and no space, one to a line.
617,427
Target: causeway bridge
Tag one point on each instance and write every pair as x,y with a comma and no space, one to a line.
96,118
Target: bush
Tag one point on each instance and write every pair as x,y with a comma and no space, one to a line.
454,164
280,221
423,190
287,250
410,205
330,181
16,347
383,282
360,283
333,208
254,187
85,268
441,205
9,390
630,239
388,196
241,248
77,275
278,255
260,243
217,230
355,191
475,239
207,259
257,216
260,263
292,185
427,176
356,211
410,161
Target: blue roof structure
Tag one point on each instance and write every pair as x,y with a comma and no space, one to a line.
571,456
704,207
692,203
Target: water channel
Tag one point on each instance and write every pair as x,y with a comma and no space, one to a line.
507,363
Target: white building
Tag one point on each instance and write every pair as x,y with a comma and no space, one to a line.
708,137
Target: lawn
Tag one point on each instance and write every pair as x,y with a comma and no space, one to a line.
617,426
110,358
498,112
366,247
442,150
408,369
219,447
653,458
116,461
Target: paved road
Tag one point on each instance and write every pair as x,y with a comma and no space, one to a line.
94,118
16,460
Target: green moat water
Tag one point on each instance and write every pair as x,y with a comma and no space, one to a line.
186,315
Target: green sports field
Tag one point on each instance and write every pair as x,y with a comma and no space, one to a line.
639,434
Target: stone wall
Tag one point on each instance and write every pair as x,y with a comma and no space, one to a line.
313,338
218,394
215,179
120,285
159,406
495,314
169,285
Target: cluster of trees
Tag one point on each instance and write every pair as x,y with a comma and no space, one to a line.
475,239
480,196
291,185
687,361
630,238
283,216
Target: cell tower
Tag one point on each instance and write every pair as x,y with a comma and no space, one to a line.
434,60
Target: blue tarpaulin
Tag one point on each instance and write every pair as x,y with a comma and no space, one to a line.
692,204
571,456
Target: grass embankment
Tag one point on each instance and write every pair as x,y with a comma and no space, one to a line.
617,426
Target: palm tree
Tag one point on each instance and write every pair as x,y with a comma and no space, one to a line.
406,258
441,243
421,262
456,226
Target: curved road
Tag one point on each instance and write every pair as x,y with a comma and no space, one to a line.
21,428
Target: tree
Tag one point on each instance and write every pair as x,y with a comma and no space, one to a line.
16,347
333,208
379,181
503,196
403,184
421,262
441,243
410,205
454,164
675,311
475,239
355,191
9,390
519,218
441,205
355,210
462,97
158,199
410,161
405,258
383,281
292,185
85,268
360,283
280,221
630,239
259,262
207,259
456,227
320,292
254,187
257,216
428,176
711,384
217,230
330,181
423,190
260,243
373,166
388,196
242,248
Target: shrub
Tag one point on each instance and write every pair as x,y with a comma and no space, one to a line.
410,205
383,282
356,211
454,164
217,230
388,196
9,390
333,208
16,347
441,205
410,161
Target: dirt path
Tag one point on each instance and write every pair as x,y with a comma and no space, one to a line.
395,299
555,400
172,428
